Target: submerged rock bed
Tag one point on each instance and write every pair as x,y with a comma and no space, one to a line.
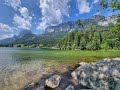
101,75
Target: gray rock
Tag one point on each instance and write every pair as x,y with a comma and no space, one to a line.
70,87
102,75
53,81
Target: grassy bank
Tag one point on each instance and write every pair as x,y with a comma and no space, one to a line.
60,59
64,62
73,55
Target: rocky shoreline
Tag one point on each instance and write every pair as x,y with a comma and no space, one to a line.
101,75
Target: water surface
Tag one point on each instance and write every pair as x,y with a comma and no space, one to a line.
19,66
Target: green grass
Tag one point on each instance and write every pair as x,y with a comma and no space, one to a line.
68,58
73,55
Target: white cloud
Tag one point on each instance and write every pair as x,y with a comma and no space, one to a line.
42,25
15,4
97,13
24,20
3,36
95,1
83,6
25,13
5,27
22,23
53,11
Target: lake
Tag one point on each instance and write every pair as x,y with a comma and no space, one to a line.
20,66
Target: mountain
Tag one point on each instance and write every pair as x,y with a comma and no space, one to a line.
27,38
66,26
97,20
23,33
107,21
50,39
24,37
53,34
8,40
101,36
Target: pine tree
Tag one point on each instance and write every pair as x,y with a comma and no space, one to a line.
81,23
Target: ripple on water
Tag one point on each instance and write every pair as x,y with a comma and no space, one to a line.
18,69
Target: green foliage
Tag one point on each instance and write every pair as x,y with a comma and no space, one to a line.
51,39
117,25
113,4
80,23
93,38
103,3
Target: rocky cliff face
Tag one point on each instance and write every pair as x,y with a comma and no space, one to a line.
108,21
97,20
66,26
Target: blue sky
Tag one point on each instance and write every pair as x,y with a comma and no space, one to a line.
36,15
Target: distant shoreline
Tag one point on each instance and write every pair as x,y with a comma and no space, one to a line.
54,48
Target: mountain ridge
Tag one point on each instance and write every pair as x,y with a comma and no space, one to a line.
52,33
71,25
20,38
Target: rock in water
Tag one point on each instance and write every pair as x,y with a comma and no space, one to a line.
102,75
53,81
70,87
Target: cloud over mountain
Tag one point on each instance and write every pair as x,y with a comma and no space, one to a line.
83,6
24,20
5,28
15,4
5,31
22,23
53,11
25,13
3,36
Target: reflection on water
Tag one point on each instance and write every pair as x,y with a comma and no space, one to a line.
18,69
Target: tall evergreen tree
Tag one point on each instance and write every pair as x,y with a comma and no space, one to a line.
81,23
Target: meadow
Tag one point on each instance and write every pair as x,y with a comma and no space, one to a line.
62,59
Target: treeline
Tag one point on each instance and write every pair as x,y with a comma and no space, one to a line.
93,39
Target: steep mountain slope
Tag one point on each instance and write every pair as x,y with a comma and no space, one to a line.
50,39
103,36
97,20
27,39
53,34
66,26
23,33
24,37
8,40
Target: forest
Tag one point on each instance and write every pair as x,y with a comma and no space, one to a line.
92,38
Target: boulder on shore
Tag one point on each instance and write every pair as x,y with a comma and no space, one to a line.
53,81
102,75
